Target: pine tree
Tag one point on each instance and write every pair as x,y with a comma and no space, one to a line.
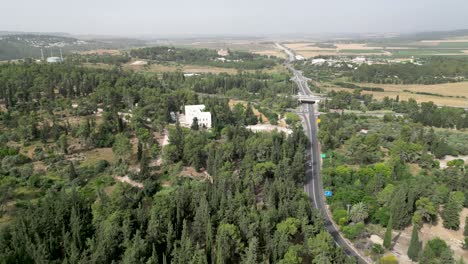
176,138
415,245
250,256
139,150
71,171
154,257
387,243
451,215
144,166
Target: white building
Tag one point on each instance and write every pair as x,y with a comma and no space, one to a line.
359,60
192,111
54,60
223,52
300,57
318,61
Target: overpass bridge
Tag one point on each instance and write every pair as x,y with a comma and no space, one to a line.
309,99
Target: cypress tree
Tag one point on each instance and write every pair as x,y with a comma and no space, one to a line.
250,117
195,125
387,243
415,245
139,150
71,171
451,215
154,257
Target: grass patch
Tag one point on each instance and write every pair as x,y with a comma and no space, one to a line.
26,193
94,156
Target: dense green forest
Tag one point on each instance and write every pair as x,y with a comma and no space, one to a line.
235,59
57,209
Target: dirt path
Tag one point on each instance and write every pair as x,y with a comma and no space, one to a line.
453,238
127,180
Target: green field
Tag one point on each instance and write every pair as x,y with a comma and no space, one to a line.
359,51
453,45
425,52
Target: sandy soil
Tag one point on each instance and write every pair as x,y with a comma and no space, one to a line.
269,128
453,238
192,173
443,162
127,180
272,52
101,52
463,39
355,46
138,63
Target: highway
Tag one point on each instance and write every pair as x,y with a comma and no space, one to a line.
313,184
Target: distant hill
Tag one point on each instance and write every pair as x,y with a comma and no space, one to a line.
28,45
60,34
435,35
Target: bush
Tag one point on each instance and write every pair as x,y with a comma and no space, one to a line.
353,231
378,249
381,216
338,214
389,259
101,166
343,221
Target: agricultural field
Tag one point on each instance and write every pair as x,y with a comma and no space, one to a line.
395,49
447,94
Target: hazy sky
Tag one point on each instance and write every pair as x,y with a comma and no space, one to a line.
225,17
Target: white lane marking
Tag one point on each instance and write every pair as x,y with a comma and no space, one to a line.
312,157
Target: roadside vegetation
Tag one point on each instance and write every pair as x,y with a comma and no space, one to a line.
385,172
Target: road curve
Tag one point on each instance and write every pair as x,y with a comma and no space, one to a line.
313,184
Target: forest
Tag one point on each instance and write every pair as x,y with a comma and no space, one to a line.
55,208
235,59
432,70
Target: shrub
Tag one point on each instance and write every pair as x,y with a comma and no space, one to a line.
378,249
389,259
353,231
338,214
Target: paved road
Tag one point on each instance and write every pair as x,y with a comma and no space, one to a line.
313,185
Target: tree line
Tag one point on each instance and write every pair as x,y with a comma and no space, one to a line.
235,59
